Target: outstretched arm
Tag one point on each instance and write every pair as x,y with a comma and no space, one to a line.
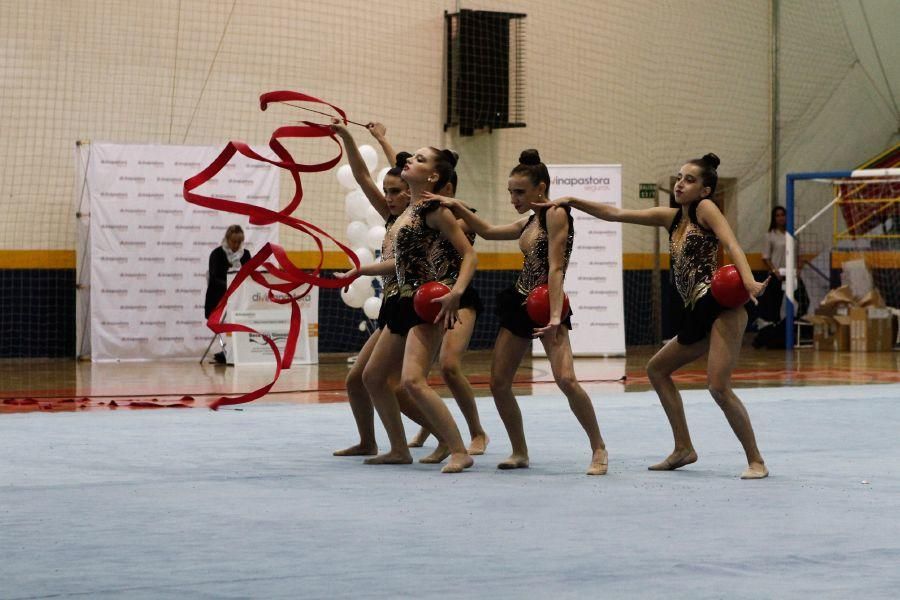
360,171
461,211
709,215
383,267
658,216
378,132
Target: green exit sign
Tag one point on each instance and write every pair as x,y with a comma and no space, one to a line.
648,190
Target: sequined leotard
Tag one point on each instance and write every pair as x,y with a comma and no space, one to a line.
693,252
420,256
534,244
389,281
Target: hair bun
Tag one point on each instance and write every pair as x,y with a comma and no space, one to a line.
451,156
401,159
712,160
530,157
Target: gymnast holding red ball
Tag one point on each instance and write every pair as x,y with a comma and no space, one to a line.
710,327
545,238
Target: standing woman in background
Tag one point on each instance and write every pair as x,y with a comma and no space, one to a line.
695,230
773,255
545,238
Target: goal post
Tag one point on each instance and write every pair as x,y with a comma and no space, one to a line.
869,196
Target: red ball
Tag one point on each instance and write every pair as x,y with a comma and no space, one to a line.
422,301
728,289
538,305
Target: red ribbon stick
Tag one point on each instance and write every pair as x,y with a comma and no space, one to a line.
291,283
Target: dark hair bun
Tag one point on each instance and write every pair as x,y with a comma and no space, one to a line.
401,159
451,156
530,157
712,160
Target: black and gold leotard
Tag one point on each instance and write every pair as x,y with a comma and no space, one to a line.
419,252
446,260
389,281
534,244
693,251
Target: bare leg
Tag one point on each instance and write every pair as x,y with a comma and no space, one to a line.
421,344
559,351
669,359
420,438
409,408
454,345
388,353
724,348
360,403
508,353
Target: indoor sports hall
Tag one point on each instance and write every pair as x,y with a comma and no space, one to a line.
202,291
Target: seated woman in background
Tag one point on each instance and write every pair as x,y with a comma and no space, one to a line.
231,254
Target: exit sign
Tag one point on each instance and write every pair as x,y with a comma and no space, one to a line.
648,190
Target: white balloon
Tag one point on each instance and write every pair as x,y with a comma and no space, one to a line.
373,217
351,298
372,306
345,177
370,157
356,205
375,237
362,288
365,256
379,179
357,233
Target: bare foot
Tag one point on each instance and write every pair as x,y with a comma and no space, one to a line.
676,460
458,462
391,458
599,462
755,471
357,450
515,461
479,444
436,457
418,440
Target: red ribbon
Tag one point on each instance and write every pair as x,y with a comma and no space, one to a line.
289,276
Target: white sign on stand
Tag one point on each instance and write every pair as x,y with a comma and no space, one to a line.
594,276
250,306
252,348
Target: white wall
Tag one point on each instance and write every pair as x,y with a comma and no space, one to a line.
645,83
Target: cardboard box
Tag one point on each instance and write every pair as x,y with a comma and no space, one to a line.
831,333
831,310
843,322
871,329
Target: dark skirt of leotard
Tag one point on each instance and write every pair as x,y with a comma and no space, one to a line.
697,322
513,316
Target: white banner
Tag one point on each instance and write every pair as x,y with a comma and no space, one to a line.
594,276
149,248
